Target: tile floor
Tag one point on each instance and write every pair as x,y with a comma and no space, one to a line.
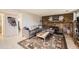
11,43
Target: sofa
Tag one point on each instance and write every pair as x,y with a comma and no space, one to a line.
30,32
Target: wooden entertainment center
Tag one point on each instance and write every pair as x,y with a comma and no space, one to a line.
55,20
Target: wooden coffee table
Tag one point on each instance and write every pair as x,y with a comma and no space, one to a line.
42,35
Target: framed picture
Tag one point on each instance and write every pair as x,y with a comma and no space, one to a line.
11,21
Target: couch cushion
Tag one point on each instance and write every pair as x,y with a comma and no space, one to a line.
32,27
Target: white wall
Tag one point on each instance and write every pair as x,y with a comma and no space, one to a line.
30,20
11,31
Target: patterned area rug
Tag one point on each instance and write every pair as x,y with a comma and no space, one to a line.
38,43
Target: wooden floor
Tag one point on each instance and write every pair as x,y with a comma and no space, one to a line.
70,43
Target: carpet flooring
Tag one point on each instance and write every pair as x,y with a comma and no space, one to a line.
51,42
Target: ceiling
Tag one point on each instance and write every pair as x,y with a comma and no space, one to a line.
46,12
40,12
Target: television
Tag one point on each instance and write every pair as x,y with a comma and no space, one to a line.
55,18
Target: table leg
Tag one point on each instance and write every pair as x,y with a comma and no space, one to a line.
44,42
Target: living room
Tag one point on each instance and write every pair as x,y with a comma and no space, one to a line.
39,29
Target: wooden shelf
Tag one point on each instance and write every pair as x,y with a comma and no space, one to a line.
67,22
